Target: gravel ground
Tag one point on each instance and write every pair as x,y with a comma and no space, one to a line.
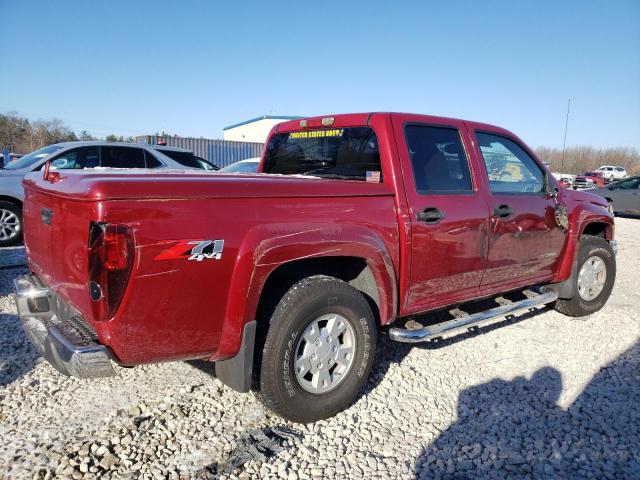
539,396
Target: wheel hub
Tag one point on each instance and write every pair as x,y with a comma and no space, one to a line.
9,224
324,353
591,278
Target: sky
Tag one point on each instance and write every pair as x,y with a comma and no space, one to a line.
193,67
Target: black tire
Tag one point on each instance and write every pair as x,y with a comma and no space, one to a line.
275,380
17,211
588,247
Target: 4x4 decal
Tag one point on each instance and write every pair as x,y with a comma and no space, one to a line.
197,250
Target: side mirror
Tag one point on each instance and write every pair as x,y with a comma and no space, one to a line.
550,189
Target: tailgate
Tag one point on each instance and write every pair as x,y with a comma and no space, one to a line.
56,239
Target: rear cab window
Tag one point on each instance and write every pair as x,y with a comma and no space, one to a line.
349,153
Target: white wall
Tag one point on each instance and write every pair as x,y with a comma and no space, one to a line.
252,132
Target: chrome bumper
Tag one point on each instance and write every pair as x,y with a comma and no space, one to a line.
59,333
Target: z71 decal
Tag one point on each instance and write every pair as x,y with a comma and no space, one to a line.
197,250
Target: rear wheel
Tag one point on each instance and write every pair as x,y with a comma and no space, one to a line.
318,351
10,223
594,279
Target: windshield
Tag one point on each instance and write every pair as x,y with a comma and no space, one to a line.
32,158
345,153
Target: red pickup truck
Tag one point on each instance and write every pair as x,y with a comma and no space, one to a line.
285,278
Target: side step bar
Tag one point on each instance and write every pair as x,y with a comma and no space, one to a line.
461,322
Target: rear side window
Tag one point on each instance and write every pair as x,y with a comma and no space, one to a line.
122,157
151,161
438,160
346,153
183,158
509,167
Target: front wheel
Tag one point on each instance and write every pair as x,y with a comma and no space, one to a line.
318,351
596,274
10,224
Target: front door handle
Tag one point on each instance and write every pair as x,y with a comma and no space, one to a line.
430,215
503,211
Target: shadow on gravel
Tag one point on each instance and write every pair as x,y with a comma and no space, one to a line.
17,355
515,429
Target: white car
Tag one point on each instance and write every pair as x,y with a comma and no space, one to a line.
612,173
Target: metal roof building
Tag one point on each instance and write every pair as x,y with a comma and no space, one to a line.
255,129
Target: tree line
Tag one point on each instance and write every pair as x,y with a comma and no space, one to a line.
577,160
21,135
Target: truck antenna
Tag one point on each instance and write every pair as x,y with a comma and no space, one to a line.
564,144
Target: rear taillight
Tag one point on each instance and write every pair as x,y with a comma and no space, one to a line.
111,253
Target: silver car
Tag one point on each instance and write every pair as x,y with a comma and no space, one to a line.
74,155
623,196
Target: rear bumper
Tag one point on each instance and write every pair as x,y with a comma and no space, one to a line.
60,333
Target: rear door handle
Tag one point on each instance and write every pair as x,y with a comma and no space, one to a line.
430,215
503,211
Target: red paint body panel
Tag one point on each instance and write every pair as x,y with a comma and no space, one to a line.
174,308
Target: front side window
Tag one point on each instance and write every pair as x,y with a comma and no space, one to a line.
346,153
77,158
509,167
122,157
632,184
438,160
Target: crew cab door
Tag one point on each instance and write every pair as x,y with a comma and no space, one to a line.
449,216
525,241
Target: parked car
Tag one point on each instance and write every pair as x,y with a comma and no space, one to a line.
186,158
250,165
565,182
72,155
612,173
588,180
285,280
623,196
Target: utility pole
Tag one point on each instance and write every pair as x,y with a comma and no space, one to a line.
564,145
